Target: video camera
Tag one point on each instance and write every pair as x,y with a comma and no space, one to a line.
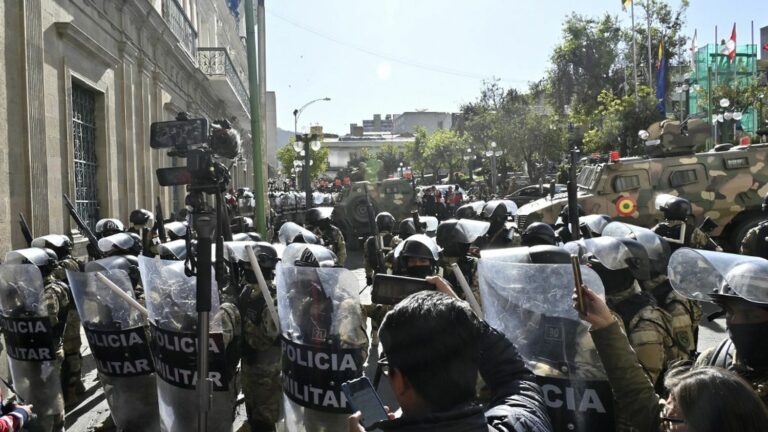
201,143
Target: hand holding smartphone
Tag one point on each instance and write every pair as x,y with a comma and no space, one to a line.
362,397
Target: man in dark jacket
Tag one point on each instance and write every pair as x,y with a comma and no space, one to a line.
433,372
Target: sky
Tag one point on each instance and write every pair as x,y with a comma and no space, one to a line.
391,56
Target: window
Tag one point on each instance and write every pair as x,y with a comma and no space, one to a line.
84,130
736,163
682,178
625,183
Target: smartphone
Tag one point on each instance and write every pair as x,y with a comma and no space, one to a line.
578,282
391,289
362,397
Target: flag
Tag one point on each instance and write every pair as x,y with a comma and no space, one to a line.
693,49
765,47
661,80
729,48
625,4
234,7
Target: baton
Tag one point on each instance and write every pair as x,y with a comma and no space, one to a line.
263,285
123,295
467,292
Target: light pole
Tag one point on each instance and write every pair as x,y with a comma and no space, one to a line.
468,157
493,153
303,145
297,112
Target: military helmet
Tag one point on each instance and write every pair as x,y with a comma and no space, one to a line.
58,243
565,215
45,259
316,256
548,254
316,215
142,217
747,280
495,210
538,233
638,262
121,244
176,230
467,211
406,229
385,221
676,208
108,227
418,246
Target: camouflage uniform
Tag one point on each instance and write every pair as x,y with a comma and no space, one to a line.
71,367
685,315
468,267
262,387
57,303
758,379
694,237
334,240
647,327
754,242
369,251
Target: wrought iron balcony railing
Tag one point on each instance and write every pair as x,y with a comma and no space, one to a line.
216,61
180,25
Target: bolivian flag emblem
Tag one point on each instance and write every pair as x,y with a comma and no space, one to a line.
626,206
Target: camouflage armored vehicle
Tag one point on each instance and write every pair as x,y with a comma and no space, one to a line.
350,213
726,184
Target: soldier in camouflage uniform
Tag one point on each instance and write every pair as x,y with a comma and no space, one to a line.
648,327
755,242
675,228
57,303
260,349
320,224
385,223
455,241
71,367
500,234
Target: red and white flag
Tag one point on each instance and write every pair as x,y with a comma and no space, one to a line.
729,48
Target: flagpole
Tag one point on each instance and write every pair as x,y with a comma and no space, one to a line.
634,46
650,62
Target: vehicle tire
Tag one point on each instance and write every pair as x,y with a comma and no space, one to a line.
358,211
738,233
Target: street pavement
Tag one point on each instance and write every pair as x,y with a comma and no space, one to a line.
92,412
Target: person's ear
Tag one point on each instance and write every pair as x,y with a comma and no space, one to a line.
399,383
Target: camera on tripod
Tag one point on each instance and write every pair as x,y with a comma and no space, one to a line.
201,144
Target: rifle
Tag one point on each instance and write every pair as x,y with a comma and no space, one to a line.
159,221
93,250
25,229
377,240
417,222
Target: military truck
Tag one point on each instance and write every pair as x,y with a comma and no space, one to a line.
726,184
350,213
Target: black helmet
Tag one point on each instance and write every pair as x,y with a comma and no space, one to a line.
455,236
467,211
417,246
108,227
176,230
638,263
592,225
314,216
142,217
316,256
538,233
495,211
121,244
58,243
385,221
565,215
45,259
548,254
676,208
406,229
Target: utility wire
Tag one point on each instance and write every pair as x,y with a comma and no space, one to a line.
401,60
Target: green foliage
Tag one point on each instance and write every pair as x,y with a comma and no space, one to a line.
414,151
390,156
286,155
444,150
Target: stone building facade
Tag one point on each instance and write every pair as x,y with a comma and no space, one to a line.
81,81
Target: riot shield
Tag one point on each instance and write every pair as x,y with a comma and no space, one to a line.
293,233
608,250
118,340
30,342
173,250
323,341
518,255
296,251
122,241
657,248
701,275
531,304
478,206
468,230
511,207
430,223
171,300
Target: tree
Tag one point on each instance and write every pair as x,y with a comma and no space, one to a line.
445,149
390,156
286,155
414,151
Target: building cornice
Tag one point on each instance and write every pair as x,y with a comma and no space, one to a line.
74,35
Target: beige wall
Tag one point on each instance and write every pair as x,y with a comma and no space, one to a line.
126,53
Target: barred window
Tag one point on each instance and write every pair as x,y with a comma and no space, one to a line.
86,165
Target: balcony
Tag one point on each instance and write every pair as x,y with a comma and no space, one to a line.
215,63
180,25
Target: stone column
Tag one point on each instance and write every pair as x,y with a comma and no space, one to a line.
126,126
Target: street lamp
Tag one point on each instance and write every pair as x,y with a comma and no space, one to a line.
306,139
297,112
493,154
468,157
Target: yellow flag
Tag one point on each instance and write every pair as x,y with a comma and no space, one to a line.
625,4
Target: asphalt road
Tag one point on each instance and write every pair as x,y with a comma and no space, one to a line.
92,413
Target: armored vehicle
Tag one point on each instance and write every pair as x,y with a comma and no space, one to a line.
350,214
726,184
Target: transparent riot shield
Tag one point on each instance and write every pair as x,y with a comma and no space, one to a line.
171,300
117,335
324,342
430,223
700,275
468,230
657,248
173,250
520,255
30,342
293,233
478,206
531,304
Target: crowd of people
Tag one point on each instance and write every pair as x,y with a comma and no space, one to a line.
487,347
